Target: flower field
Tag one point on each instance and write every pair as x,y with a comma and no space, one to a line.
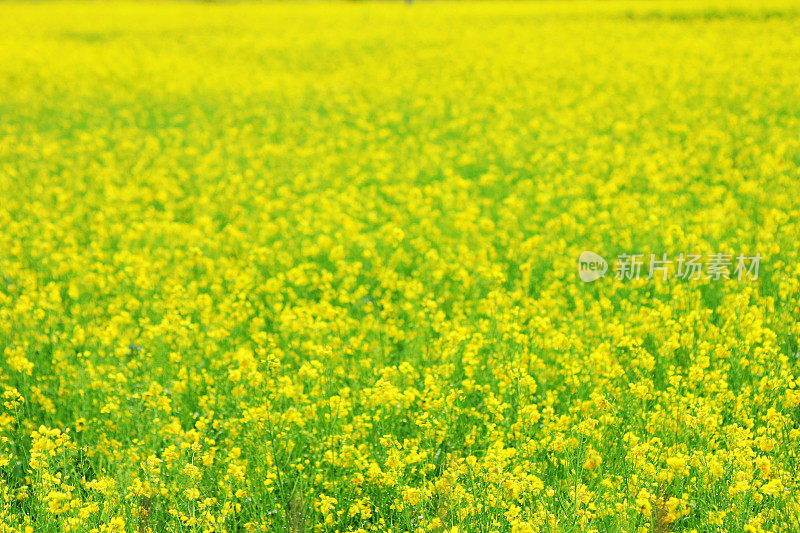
314,267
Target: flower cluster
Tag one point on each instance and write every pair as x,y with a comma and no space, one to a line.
311,267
